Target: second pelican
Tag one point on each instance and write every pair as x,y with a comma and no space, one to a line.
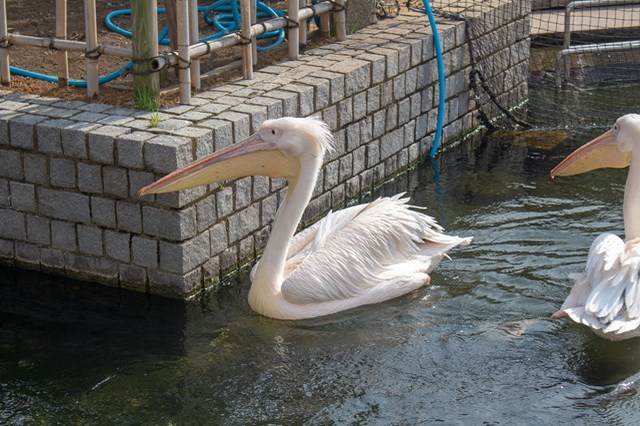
360,255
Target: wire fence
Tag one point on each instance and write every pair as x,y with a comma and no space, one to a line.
584,62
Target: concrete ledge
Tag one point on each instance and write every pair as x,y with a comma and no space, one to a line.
70,171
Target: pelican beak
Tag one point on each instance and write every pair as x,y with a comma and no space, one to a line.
600,153
251,157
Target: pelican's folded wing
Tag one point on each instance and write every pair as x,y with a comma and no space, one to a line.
354,250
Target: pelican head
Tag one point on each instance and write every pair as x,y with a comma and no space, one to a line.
611,149
280,148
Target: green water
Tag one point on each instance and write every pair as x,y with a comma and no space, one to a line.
474,347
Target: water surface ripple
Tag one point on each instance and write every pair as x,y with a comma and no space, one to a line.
474,347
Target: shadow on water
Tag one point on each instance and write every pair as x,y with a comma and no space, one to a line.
476,346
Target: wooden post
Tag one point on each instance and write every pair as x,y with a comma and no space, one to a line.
193,39
5,74
292,32
302,29
341,21
144,38
325,25
184,75
91,54
247,49
170,16
61,33
254,39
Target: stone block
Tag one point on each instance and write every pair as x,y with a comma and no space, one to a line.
241,124
260,187
170,224
346,167
103,212
90,240
102,143
244,222
51,259
27,253
132,277
202,138
129,149
404,111
129,216
5,198
23,196
10,164
289,101
90,178
359,160
257,114
115,181
218,238
269,209
64,205
7,249
243,193
306,101
144,251
12,225
224,201
49,133
62,172
116,245
100,268
391,143
322,89
273,106
35,169
206,212
186,256
137,180
164,154
63,235
222,132
22,130
345,112
74,139
359,105
357,77
175,285
353,136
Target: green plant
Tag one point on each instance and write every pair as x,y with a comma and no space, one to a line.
154,119
146,100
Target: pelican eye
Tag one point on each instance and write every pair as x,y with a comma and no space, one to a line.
273,131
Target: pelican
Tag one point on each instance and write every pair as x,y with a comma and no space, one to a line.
363,254
605,296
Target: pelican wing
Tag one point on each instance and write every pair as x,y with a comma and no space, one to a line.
605,297
357,249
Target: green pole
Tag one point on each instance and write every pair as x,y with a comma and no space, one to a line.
144,21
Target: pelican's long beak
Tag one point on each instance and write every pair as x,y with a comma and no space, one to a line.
599,153
251,157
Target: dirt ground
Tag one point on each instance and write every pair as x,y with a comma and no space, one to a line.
37,18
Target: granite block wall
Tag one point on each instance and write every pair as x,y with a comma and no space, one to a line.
70,171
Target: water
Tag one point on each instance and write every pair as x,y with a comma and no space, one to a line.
474,347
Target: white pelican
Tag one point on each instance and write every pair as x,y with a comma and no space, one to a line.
605,296
360,255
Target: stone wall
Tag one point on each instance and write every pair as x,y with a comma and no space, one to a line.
70,171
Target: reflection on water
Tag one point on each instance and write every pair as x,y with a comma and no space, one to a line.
475,346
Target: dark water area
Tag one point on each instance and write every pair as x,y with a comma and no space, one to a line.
474,347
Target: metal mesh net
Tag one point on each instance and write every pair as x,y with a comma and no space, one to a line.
584,61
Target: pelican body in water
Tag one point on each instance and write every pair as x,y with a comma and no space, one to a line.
360,255
605,297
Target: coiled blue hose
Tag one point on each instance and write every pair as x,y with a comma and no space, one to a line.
441,82
224,22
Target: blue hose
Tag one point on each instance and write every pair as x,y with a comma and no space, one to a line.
441,83
75,83
224,22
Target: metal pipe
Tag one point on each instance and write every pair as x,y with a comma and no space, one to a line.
70,45
201,49
618,46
